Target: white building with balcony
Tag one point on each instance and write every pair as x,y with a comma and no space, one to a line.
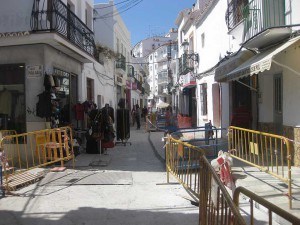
43,47
111,33
162,66
262,82
155,52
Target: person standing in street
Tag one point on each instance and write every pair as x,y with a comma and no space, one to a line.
138,116
145,113
133,115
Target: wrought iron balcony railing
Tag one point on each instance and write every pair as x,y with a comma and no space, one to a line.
256,15
187,62
55,16
121,62
234,13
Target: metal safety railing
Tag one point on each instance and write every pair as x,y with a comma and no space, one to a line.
207,138
190,167
23,152
269,152
274,212
4,133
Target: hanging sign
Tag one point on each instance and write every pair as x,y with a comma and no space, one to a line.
34,71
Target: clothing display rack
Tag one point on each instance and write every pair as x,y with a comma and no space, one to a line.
123,127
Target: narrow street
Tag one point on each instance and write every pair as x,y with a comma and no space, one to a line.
127,186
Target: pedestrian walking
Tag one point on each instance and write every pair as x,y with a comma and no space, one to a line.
138,116
133,115
145,113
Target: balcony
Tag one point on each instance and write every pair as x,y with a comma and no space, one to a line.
55,16
162,77
257,18
186,64
121,62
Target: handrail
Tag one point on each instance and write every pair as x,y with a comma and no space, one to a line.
270,153
272,208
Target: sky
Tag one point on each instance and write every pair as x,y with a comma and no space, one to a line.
147,18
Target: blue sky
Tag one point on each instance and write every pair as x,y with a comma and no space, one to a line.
150,17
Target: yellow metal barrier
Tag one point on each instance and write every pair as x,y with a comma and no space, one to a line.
268,152
191,168
22,152
150,124
272,209
4,133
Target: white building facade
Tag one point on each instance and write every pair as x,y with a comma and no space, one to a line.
112,34
263,81
42,42
160,54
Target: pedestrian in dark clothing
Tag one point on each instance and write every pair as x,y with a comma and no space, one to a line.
145,113
138,116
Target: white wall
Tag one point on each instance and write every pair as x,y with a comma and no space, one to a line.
216,43
291,84
15,15
216,39
103,27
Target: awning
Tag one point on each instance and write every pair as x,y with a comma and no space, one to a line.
260,62
229,65
162,105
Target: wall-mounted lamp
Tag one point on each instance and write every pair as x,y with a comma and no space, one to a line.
185,46
193,56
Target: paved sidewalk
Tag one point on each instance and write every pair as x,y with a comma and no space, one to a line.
127,186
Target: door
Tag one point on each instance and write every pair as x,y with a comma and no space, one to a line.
278,120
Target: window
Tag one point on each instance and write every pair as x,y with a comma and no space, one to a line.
90,89
203,99
203,39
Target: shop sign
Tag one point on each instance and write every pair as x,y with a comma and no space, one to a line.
34,71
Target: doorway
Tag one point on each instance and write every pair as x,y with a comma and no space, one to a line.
242,103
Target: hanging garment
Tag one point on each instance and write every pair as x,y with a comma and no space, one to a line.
79,111
123,124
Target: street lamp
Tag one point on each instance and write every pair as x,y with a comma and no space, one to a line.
185,46
187,60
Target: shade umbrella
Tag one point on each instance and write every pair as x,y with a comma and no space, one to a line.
162,105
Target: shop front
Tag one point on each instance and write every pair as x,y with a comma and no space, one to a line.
12,97
32,75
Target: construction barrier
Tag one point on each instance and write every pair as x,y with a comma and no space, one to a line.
272,210
184,121
207,138
189,165
191,168
268,152
23,152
